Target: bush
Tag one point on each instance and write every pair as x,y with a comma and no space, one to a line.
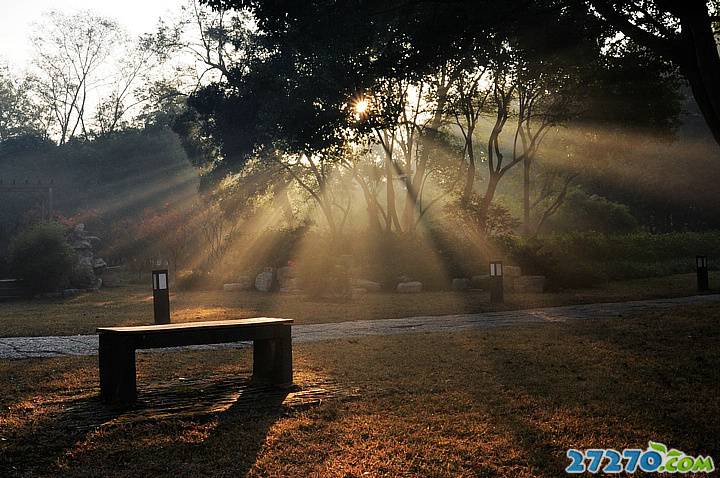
594,213
561,271
197,280
42,258
585,259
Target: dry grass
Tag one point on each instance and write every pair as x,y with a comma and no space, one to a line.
133,306
497,402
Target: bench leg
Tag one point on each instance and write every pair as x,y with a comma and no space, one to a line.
272,359
117,370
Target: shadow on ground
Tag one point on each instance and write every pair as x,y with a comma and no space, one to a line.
173,429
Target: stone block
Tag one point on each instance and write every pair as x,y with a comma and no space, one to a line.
460,284
412,287
368,285
529,284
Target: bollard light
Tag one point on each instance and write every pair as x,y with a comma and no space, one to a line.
496,282
161,296
703,281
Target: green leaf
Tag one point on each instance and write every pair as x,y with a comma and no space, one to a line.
659,447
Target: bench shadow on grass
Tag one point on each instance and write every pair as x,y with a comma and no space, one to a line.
234,409
614,391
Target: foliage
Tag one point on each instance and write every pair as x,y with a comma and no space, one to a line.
583,212
499,221
42,257
561,271
583,259
19,116
197,280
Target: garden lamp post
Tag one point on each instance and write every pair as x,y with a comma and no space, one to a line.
496,282
161,296
703,283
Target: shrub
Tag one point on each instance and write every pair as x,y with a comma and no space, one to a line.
585,259
197,280
594,213
561,271
41,257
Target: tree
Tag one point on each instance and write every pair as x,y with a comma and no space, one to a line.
70,50
19,114
681,32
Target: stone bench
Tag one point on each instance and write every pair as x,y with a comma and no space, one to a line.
272,350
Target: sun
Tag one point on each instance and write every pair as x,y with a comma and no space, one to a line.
361,106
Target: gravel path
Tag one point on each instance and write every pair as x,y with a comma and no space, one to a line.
14,348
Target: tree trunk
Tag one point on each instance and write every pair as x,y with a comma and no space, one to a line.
415,184
487,201
392,216
470,174
527,227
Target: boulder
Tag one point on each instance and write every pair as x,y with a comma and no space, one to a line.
285,275
244,281
88,268
290,285
264,280
460,284
511,271
368,285
409,287
529,284
480,282
112,276
234,286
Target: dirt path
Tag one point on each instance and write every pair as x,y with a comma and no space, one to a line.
15,348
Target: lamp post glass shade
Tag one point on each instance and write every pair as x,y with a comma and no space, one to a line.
160,280
702,261
496,268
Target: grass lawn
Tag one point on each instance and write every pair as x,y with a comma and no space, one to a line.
496,402
132,305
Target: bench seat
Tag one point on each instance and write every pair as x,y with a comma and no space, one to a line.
271,337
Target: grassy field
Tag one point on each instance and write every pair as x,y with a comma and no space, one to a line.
498,402
133,305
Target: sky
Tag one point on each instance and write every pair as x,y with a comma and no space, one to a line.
17,17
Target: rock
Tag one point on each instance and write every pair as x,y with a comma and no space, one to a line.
112,276
291,286
264,280
81,244
97,283
291,291
99,266
82,276
244,282
285,275
233,286
511,271
88,268
409,287
460,284
480,282
368,285
71,292
529,284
